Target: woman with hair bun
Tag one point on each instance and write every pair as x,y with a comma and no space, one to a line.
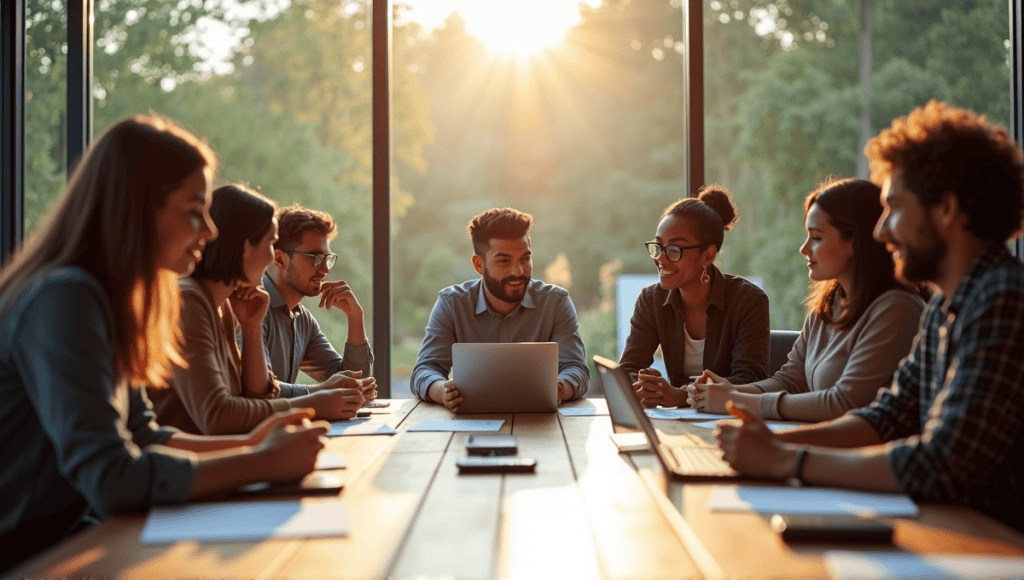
701,317
861,321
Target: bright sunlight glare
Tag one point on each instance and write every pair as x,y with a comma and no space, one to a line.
519,27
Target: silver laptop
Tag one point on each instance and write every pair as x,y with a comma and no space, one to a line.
680,462
506,377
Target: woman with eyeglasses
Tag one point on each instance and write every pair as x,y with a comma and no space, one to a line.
700,317
226,386
861,320
88,312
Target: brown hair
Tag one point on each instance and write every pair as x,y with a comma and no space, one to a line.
241,215
853,207
104,223
939,148
710,214
502,223
294,221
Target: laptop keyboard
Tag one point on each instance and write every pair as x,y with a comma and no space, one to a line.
701,461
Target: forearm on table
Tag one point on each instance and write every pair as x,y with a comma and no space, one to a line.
226,469
865,468
848,431
435,391
206,443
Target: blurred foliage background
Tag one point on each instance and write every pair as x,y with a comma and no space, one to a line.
587,135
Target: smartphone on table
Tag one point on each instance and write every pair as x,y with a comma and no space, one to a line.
491,444
804,528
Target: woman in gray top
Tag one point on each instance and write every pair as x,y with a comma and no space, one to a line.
89,311
701,318
860,323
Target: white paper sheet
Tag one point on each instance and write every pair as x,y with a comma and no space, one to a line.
458,425
686,414
359,427
772,425
255,520
586,411
905,565
810,500
331,460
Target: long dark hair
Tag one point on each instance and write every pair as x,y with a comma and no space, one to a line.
104,223
853,207
240,215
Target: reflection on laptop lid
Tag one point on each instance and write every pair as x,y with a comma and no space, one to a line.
681,462
506,377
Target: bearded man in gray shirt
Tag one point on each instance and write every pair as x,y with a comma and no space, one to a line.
503,305
292,339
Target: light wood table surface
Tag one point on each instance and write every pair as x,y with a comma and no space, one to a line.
585,513
743,545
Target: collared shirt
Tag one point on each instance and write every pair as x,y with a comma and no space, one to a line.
736,341
461,314
955,411
293,341
71,430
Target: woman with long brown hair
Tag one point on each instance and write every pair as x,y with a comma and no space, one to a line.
860,321
88,314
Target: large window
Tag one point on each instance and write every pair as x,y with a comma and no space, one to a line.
281,90
795,88
573,110
568,110
46,70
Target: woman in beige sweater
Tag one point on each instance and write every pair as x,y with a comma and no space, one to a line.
860,324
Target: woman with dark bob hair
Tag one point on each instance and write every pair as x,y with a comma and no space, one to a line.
701,318
88,312
223,389
860,320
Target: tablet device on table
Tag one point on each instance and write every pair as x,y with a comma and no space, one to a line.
506,377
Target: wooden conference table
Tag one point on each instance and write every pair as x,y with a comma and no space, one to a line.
587,512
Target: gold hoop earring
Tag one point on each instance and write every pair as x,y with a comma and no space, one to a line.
704,278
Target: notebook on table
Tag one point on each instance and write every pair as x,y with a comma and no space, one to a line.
506,377
681,462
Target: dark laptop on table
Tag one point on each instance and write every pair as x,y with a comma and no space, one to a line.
681,462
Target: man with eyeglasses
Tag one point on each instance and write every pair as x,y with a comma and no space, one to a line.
292,338
503,305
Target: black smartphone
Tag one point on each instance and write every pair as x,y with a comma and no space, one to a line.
478,464
363,413
488,445
819,528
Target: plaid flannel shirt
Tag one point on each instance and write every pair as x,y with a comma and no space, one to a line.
956,408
